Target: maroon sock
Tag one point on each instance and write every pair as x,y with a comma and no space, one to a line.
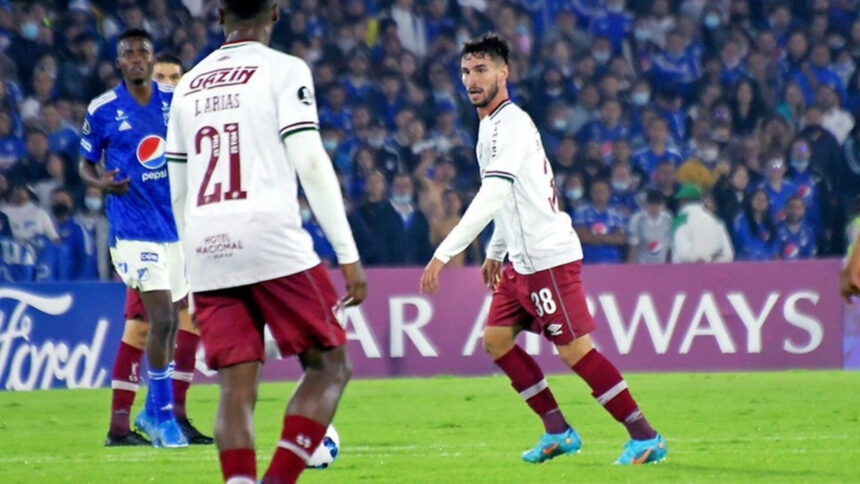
240,465
183,371
124,382
527,379
299,438
610,390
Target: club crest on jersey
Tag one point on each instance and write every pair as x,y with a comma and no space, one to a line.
305,95
150,152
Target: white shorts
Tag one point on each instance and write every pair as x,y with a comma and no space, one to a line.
151,266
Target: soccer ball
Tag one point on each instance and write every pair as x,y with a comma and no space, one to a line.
324,455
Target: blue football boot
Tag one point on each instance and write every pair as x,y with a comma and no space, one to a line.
551,445
643,451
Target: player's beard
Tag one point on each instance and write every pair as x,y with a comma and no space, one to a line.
491,94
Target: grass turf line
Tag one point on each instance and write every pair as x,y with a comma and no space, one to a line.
797,426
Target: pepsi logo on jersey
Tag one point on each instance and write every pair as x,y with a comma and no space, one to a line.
150,152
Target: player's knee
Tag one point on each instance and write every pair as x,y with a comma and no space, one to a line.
572,352
497,343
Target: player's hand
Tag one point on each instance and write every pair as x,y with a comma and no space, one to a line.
356,284
430,278
491,273
109,183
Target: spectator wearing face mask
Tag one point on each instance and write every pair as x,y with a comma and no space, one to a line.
777,188
623,198
573,193
80,248
810,188
649,234
94,220
795,238
753,229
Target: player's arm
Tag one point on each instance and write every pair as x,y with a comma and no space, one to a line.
491,269
91,148
489,199
315,171
297,119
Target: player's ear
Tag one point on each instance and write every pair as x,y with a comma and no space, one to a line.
275,13
220,16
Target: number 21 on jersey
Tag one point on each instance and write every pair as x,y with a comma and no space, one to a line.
235,192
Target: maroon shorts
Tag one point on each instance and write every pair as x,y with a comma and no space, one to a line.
550,302
299,310
134,305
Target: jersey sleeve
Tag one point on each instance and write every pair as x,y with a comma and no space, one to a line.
92,138
176,150
509,149
297,109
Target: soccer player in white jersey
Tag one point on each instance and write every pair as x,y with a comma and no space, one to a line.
541,292
242,127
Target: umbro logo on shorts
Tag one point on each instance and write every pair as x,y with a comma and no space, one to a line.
554,329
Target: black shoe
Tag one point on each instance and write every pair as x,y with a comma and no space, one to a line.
129,439
192,434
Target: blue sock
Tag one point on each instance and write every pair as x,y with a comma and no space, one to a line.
160,396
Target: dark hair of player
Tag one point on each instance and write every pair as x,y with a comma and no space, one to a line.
655,197
168,58
488,44
135,34
245,9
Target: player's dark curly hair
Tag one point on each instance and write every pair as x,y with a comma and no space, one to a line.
488,44
245,9
134,34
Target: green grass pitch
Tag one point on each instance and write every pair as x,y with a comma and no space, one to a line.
797,426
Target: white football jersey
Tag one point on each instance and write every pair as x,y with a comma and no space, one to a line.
229,117
536,234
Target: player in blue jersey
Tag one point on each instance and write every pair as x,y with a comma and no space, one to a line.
126,128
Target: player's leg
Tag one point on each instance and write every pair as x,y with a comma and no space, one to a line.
184,359
234,422
125,378
157,418
309,412
570,334
299,311
506,319
232,336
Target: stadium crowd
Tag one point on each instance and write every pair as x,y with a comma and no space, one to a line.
744,108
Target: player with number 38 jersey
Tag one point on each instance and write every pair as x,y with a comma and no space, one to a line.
542,291
536,234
